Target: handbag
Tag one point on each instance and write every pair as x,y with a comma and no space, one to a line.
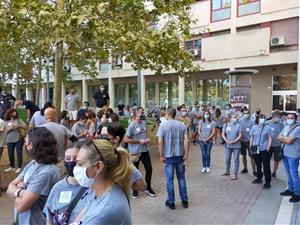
62,218
22,130
255,148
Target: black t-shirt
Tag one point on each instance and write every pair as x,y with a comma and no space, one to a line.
121,107
6,102
29,105
101,99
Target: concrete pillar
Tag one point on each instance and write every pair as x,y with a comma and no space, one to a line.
28,94
63,95
43,95
143,91
181,87
298,67
84,90
194,91
127,94
157,93
111,92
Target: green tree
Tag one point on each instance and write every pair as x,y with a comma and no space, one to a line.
82,32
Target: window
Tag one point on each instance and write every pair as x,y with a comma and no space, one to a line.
194,47
220,10
120,94
168,93
188,93
133,96
248,7
150,94
117,62
285,82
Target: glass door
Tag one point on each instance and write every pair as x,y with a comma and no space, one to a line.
284,101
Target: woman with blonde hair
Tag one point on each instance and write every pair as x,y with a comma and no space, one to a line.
108,173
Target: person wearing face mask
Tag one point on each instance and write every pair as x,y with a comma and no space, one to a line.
72,105
196,116
32,187
80,130
246,125
64,119
66,192
276,127
163,114
38,118
13,139
232,134
101,99
91,123
290,139
260,143
254,115
206,131
107,172
136,137
184,119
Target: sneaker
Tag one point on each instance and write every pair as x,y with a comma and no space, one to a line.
295,198
150,192
185,204
245,170
274,175
203,170
9,169
135,194
18,170
234,178
257,181
287,192
254,173
267,186
225,174
170,205
207,170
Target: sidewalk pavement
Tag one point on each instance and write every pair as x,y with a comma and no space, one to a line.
213,199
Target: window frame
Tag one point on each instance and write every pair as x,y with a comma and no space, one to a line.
219,9
252,1
197,57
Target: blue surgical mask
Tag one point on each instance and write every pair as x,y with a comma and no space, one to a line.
234,120
289,121
206,116
70,167
82,178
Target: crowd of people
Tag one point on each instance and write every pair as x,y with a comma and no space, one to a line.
83,162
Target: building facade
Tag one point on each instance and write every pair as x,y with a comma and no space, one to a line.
229,35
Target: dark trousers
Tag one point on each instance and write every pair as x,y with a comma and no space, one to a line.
146,160
263,159
11,150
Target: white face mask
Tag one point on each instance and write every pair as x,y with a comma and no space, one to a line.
84,107
82,178
109,120
262,121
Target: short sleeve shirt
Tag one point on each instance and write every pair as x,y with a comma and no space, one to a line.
101,98
38,179
72,101
276,128
172,132
60,197
219,121
13,136
137,131
246,125
110,208
29,105
291,150
61,134
78,128
232,131
207,129
196,113
37,119
260,136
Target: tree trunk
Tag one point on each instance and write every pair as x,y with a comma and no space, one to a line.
58,70
38,84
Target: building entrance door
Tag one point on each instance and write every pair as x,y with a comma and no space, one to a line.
284,100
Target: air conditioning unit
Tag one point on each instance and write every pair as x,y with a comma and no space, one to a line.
277,41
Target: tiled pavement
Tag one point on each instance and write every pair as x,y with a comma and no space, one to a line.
213,199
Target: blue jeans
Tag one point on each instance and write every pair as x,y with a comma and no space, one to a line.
206,150
291,169
236,156
177,163
11,150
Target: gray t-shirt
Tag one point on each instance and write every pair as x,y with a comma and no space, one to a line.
110,208
38,179
13,136
246,125
206,129
219,121
194,115
71,101
172,132
276,128
232,131
263,133
60,197
136,175
61,134
37,119
78,129
292,150
137,131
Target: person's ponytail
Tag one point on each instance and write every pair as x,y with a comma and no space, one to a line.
121,175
